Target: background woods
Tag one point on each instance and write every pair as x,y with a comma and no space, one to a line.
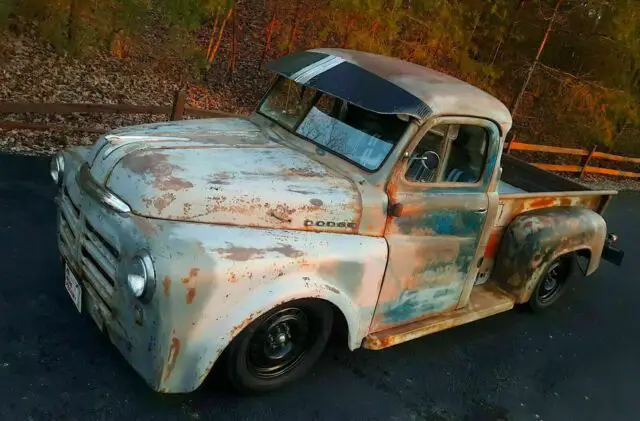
572,67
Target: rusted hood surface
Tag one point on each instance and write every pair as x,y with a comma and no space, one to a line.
224,171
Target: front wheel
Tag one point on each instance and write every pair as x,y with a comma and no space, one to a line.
553,282
280,346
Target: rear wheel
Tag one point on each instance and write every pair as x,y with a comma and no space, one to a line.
553,282
280,346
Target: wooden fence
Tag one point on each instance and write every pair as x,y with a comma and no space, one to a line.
587,157
179,109
176,111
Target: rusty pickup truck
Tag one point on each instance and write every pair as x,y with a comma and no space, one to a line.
365,194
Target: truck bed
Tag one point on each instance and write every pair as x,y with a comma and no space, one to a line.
521,177
524,187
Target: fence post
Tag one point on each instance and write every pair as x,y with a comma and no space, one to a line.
177,109
586,161
513,139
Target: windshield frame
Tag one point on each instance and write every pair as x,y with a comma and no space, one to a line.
319,93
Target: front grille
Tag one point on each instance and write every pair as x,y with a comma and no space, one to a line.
98,256
99,261
70,215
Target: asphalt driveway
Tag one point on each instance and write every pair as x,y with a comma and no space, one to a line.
581,361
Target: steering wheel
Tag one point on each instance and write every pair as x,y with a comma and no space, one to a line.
430,160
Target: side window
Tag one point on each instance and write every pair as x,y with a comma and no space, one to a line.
453,154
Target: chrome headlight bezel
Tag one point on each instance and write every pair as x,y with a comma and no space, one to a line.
141,277
56,169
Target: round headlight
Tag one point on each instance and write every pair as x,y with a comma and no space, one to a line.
56,168
140,276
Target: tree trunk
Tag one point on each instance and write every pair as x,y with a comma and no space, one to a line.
509,33
212,56
294,27
518,99
268,34
615,139
72,22
347,30
234,46
212,36
373,32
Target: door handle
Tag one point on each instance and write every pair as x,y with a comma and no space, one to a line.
480,211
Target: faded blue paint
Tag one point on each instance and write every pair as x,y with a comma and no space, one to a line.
456,222
409,307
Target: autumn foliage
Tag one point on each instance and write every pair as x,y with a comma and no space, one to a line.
583,90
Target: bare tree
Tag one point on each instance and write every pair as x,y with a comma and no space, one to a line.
552,20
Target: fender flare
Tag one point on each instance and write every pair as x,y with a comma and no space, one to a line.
261,300
536,238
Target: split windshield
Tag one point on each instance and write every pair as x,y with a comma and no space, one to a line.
344,129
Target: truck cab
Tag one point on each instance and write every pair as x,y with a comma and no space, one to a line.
364,193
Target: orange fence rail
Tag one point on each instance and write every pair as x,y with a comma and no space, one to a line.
584,167
179,109
176,111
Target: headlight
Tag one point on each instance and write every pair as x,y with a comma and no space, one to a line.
141,277
57,168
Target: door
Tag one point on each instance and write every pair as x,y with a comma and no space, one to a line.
439,205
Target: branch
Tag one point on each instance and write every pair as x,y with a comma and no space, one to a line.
553,70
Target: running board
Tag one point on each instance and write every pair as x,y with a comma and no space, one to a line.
486,300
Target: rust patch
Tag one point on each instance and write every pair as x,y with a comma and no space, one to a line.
233,278
193,272
145,226
287,250
174,351
240,326
191,293
241,254
166,286
492,245
543,202
305,192
158,166
331,288
303,172
191,290
162,202
219,179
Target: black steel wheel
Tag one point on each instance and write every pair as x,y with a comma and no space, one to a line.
553,282
280,346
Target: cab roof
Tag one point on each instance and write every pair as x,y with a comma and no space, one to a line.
372,81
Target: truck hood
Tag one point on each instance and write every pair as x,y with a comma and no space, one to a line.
223,171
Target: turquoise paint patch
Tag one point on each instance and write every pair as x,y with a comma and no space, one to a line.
410,306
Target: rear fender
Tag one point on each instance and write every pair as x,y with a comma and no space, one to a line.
536,238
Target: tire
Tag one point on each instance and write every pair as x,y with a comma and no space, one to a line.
279,347
553,282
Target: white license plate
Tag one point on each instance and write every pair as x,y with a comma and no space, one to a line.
73,287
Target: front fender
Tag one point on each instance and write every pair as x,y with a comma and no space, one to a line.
214,280
534,239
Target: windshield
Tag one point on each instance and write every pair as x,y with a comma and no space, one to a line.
358,135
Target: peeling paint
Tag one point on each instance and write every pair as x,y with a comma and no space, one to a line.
174,351
537,237
191,293
166,286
